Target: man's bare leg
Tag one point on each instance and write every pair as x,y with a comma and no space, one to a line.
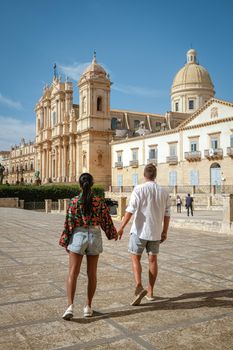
153,272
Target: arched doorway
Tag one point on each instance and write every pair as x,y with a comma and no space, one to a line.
215,176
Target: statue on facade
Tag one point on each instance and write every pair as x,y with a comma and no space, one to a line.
2,169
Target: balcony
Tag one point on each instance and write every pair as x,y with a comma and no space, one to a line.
152,160
192,156
133,163
230,151
172,160
119,165
212,154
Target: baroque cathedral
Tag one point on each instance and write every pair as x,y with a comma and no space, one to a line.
191,145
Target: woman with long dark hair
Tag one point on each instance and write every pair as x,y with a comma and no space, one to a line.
86,213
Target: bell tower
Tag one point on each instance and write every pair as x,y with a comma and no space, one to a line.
94,123
94,98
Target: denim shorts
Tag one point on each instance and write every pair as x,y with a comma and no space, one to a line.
137,245
86,241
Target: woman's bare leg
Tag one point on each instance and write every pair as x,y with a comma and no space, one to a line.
75,261
92,261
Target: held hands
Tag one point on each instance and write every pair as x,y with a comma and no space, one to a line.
120,233
163,237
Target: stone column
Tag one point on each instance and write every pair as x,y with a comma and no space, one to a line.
64,162
48,205
60,163
47,165
227,220
60,205
72,161
121,207
21,203
56,162
66,203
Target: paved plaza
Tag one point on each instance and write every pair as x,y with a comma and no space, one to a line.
194,290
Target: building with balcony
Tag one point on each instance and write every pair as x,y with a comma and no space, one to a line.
195,150
191,145
20,164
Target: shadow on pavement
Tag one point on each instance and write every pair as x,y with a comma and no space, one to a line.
206,299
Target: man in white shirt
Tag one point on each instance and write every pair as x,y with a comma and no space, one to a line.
150,205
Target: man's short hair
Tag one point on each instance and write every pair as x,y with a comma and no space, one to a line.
150,171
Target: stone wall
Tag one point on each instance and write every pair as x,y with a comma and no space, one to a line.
9,202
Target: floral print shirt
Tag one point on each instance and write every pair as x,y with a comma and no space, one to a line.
99,216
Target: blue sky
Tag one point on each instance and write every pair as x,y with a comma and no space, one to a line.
142,44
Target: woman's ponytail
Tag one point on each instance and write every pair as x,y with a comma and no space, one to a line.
86,181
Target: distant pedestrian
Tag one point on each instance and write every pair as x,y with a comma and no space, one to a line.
178,204
150,205
189,204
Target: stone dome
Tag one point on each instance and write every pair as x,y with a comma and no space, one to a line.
192,75
191,83
94,69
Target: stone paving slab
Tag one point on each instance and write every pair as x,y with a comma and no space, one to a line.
194,291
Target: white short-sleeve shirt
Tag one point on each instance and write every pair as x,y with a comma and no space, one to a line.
149,203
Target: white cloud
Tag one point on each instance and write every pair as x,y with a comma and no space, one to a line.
138,91
12,130
6,101
76,69
73,71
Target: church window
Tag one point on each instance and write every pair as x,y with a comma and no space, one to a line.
231,140
119,156
114,123
153,153
99,104
214,143
191,104
177,106
136,124
84,104
172,149
38,124
193,146
135,154
157,126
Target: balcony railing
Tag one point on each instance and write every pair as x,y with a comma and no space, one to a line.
119,165
152,160
133,163
192,156
172,160
230,151
213,153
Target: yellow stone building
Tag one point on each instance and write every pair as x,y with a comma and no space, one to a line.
192,144
72,139
20,163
